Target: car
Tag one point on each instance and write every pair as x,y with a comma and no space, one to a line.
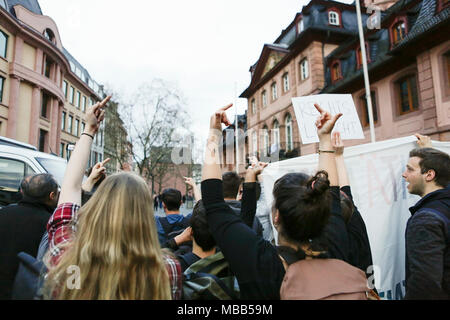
19,160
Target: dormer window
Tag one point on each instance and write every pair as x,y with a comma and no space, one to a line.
49,35
300,26
334,17
398,30
336,72
359,59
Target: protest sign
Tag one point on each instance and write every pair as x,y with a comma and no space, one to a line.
380,194
348,125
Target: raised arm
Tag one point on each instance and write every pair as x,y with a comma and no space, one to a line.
338,146
249,200
211,166
195,188
325,124
71,187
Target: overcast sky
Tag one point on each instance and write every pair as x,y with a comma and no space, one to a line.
206,47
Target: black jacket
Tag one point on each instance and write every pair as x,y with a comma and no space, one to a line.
427,248
21,230
237,209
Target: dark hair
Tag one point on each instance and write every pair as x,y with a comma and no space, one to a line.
347,207
172,199
38,187
304,205
231,183
432,159
200,228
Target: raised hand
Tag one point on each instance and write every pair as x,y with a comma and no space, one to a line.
254,170
325,122
98,170
189,182
337,143
95,115
219,117
423,141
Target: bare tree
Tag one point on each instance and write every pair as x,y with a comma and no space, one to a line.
156,120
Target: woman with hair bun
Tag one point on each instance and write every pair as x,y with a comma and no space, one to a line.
307,216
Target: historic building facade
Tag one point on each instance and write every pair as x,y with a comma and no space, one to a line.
319,52
44,91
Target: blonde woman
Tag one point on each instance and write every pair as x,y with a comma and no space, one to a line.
108,249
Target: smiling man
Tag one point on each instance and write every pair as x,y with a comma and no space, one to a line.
427,231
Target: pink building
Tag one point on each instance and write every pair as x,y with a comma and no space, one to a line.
44,91
409,71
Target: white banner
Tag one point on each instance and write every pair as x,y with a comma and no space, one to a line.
380,193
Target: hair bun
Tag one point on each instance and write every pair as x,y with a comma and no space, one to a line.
318,184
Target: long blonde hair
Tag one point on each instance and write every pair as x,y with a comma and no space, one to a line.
115,248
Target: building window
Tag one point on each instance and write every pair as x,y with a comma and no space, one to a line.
300,26
253,106
65,88
266,143
2,84
49,35
274,91
84,104
407,94
286,82
334,17
83,126
289,133
72,95
63,121
77,127
91,102
359,59
336,72
276,135
264,98
3,44
48,67
78,101
398,30
69,128
44,105
255,142
42,140
365,109
62,146
304,69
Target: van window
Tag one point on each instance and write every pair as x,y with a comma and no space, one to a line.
57,168
12,173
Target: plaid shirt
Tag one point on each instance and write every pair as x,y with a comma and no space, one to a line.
62,228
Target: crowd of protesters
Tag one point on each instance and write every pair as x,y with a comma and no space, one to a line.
106,228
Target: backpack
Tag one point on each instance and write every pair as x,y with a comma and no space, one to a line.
29,278
173,230
210,278
323,279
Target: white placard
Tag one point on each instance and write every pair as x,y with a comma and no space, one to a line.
348,125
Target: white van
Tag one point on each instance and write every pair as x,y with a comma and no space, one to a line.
18,160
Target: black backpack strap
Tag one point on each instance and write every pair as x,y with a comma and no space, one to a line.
167,227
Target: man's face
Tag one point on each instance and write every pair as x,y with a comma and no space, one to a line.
415,177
